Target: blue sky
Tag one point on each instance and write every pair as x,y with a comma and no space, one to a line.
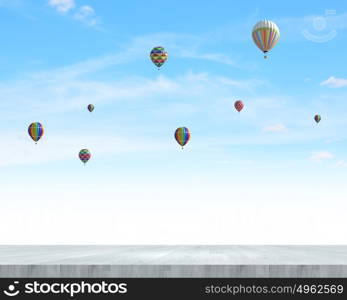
238,176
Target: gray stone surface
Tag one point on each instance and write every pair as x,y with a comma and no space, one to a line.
173,261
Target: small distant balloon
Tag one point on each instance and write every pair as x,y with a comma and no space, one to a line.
317,118
84,155
265,35
238,105
182,136
90,107
158,56
35,131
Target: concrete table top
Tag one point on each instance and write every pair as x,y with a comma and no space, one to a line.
173,261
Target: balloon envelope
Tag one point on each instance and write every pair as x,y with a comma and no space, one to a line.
158,56
84,155
182,135
35,131
265,35
317,118
238,105
90,107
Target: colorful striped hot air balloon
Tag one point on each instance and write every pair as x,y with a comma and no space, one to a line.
90,107
35,131
238,105
158,56
317,118
84,155
265,35
182,136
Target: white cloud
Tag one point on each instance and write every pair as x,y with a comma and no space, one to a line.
235,162
275,128
84,12
62,6
67,92
341,164
7,2
319,156
86,15
334,82
21,150
216,57
332,140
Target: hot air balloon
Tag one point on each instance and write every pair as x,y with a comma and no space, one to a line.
265,35
158,56
90,107
238,105
84,155
182,135
317,118
35,131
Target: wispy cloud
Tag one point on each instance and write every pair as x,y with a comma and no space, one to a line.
192,47
320,156
332,140
67,92
341,164
10,3
62,6
334,82
65,82
275,128
86,15
235,162
22,150
248,84
70,88
216,57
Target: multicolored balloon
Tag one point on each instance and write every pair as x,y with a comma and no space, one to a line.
182,136
317,118
84,155
35,131
90,107
238,105
158,56
265,35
